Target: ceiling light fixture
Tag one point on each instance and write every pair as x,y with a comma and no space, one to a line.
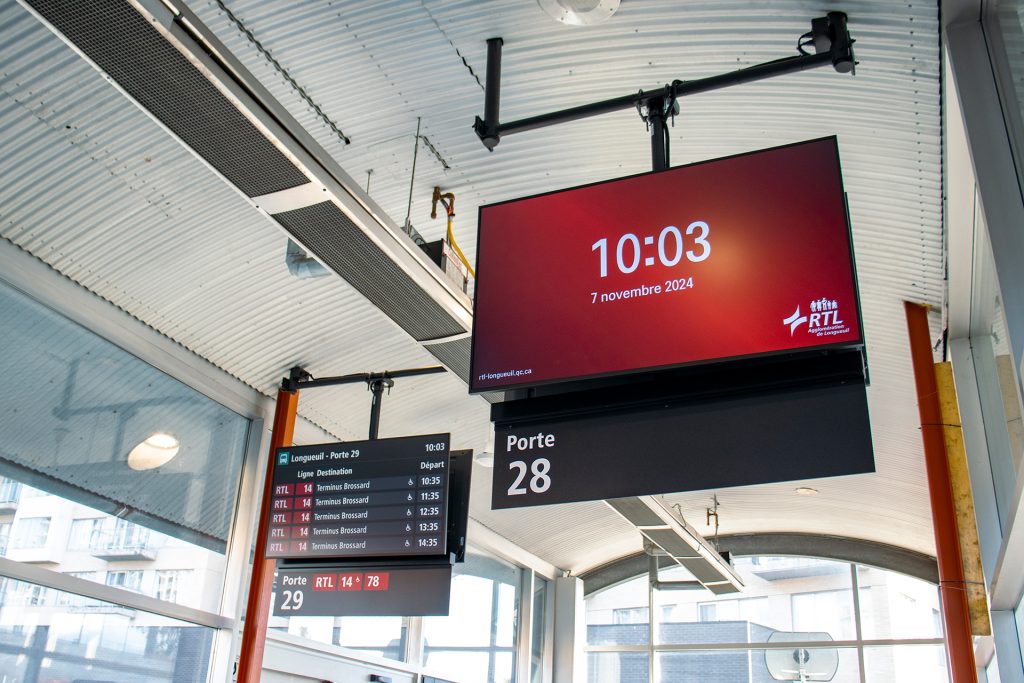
807,491
579,12
158,449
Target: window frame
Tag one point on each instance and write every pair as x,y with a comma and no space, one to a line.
653,648
33,279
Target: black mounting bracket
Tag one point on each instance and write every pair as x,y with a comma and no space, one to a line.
298,378
829,36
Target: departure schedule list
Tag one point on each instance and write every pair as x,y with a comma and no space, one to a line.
387,497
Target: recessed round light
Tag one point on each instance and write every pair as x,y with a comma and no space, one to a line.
158,449
807,491
579,12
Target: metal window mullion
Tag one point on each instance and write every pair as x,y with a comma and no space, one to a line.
857,629
97,591
1006,91
413,653
808,644
235,584
493,643
467,648
653,630
980,468
548,658
524,627
993,415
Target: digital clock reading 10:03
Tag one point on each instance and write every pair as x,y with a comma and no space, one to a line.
671,247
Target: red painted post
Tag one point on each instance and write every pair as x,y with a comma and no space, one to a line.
956,618
257,611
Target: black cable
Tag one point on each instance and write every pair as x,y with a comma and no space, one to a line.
803,42
668,148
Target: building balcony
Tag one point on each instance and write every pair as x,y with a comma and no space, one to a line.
119,552
10,494
102,608
44,555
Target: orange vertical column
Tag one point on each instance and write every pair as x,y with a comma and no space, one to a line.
952,588
257,611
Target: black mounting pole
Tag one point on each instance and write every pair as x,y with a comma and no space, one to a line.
488,128
377,387
831,40
656,110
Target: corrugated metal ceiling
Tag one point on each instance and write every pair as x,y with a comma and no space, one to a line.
96,189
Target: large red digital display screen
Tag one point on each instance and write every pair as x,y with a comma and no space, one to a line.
731,258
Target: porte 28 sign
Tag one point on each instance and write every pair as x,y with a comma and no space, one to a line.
743,256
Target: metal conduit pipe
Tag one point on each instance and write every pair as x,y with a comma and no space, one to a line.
302,265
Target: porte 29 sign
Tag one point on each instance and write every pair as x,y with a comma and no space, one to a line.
743,256
387,497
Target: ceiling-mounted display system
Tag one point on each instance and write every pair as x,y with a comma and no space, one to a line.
738,257
361,499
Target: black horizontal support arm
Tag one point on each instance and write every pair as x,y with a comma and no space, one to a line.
830,33
303,380
679,89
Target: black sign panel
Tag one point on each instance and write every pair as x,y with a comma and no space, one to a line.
381,498
801,433
363,592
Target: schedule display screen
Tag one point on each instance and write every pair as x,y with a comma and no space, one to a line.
737,257
381,498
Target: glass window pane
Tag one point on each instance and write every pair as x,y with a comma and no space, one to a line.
606,609
49,635
470,615
383,636
782,594
84,542
92,406
1010,25
838,665
380,636
989,327
475,642
617,667
73,495
918,663
467,666
897,606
